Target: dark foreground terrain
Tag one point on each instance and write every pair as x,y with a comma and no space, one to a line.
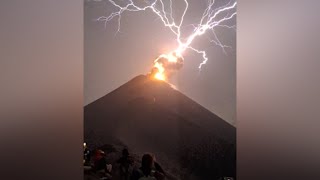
147,115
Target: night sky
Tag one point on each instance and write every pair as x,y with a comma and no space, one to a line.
112,59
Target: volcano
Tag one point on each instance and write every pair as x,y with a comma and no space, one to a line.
148,115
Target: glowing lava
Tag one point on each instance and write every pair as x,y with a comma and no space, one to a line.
166,64
160,74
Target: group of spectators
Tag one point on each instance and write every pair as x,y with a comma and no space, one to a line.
150,169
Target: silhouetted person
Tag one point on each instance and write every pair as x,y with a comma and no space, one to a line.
125,162
147,171
99,160
157,166
86,155
100,164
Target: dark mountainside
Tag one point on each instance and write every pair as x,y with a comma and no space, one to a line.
147,115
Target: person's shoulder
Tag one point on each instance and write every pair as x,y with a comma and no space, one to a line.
137,170
136,174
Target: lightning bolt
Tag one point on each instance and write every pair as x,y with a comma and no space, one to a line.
211,18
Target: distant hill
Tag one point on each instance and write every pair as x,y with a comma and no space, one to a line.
148,115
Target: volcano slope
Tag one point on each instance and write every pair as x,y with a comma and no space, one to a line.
148,115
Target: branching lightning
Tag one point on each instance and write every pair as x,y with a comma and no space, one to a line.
211,18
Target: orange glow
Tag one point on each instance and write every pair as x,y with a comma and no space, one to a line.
160,74
171,58
160,65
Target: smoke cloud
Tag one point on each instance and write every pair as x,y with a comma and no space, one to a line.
167,65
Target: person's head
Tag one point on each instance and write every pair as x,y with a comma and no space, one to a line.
125,152
147,163
99,153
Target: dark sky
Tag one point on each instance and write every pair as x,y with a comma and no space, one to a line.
112,59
